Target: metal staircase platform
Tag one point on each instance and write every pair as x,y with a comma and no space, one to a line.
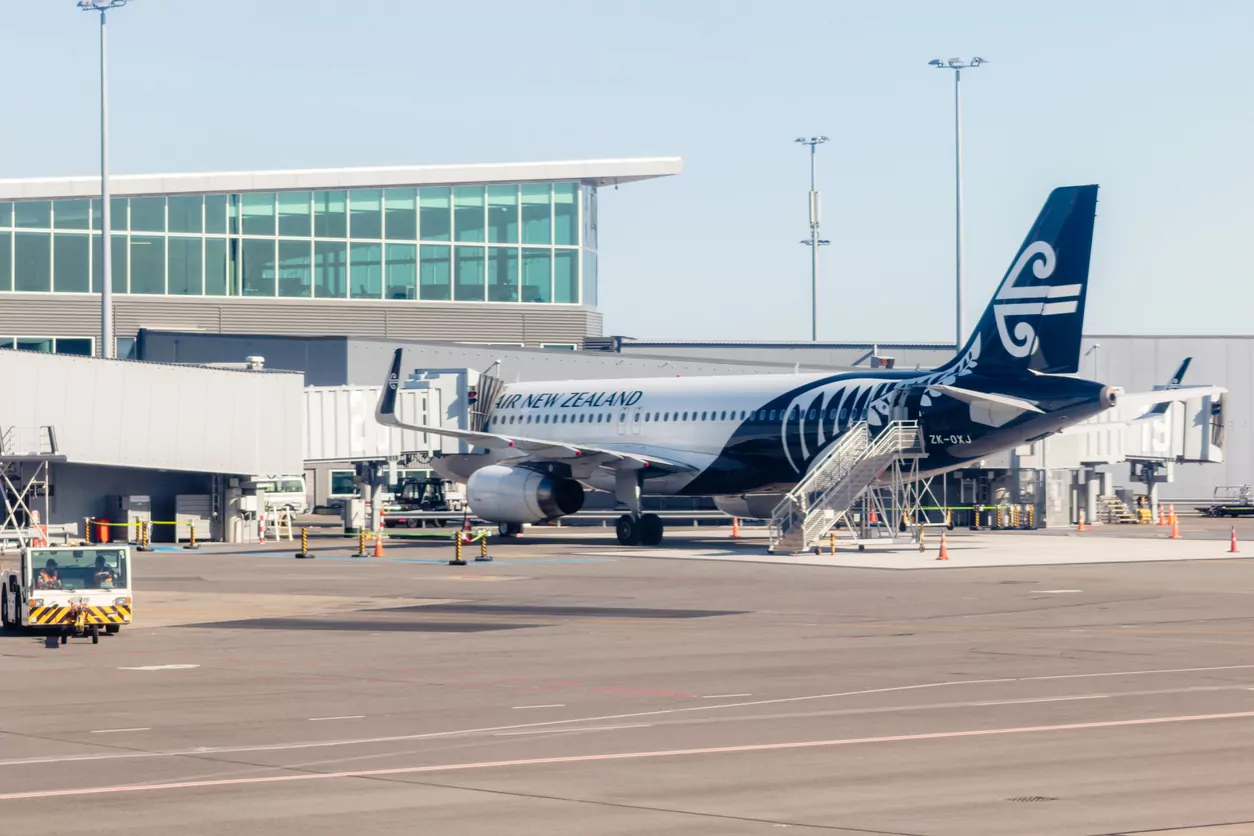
837,480
1115,510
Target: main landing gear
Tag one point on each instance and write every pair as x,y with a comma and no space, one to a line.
635,528
645,530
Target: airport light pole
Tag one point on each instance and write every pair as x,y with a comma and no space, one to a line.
106,249
958,65
814,242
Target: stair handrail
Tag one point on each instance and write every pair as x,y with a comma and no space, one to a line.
830,467
896,438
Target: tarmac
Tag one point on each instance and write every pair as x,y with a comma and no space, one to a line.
572,686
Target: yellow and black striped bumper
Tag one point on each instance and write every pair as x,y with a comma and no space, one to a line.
58,616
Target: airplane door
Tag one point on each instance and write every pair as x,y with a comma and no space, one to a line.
635,423
622,423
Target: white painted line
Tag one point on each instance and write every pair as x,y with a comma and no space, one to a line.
115,731
550,705
1054,591
161,668
342,717
668,753
561,731
1046,699
724,696
362,741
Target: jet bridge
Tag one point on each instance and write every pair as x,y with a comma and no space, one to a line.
1149,434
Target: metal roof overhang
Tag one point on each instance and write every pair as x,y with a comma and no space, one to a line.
591,172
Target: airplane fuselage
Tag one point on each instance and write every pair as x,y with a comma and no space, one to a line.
760,433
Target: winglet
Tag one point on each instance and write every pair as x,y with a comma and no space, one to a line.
385,412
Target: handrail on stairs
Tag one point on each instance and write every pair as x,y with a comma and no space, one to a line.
833,473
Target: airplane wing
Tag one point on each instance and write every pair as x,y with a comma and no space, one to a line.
971,396
532,448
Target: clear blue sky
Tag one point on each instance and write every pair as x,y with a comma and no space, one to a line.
1153,100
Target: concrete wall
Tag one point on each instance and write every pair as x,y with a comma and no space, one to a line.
323,360
78,315
127,414
810,356
369,360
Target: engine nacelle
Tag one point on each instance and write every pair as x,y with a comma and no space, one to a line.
504,494
753,506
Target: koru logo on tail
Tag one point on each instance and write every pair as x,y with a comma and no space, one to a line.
1015,300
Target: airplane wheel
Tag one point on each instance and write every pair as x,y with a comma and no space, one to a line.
650,530
628,530
509,529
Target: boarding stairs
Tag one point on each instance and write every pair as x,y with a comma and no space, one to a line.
1115,510
834,484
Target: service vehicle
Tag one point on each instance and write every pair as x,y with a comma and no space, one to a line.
1230,501
425,495
73,590
289,492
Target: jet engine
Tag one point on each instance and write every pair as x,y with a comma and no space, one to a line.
505,494
753,506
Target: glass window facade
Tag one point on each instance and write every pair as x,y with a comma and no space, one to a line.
185,267
400,210
71,257
435,217
295,269
498,243
402,271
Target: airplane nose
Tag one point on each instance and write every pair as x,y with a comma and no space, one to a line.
1109,396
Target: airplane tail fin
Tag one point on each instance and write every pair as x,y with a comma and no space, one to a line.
385,411
1034,321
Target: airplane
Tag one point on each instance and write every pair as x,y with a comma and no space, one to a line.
746,439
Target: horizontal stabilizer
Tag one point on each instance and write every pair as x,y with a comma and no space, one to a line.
971,396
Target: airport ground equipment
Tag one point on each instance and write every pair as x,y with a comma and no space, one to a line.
1115,510
26,456
1230,501
72,590
423,495
844,475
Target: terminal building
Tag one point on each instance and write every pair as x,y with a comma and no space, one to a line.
503,254
264,306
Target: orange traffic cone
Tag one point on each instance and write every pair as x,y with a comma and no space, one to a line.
735,527
378,545
944,550
873,520
1232,542
1175,527
1081,527
1162,515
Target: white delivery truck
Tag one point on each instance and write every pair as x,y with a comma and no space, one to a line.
73,590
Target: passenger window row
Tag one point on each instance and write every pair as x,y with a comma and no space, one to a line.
663,417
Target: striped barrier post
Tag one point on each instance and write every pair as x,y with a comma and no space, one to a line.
191,536
304,554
